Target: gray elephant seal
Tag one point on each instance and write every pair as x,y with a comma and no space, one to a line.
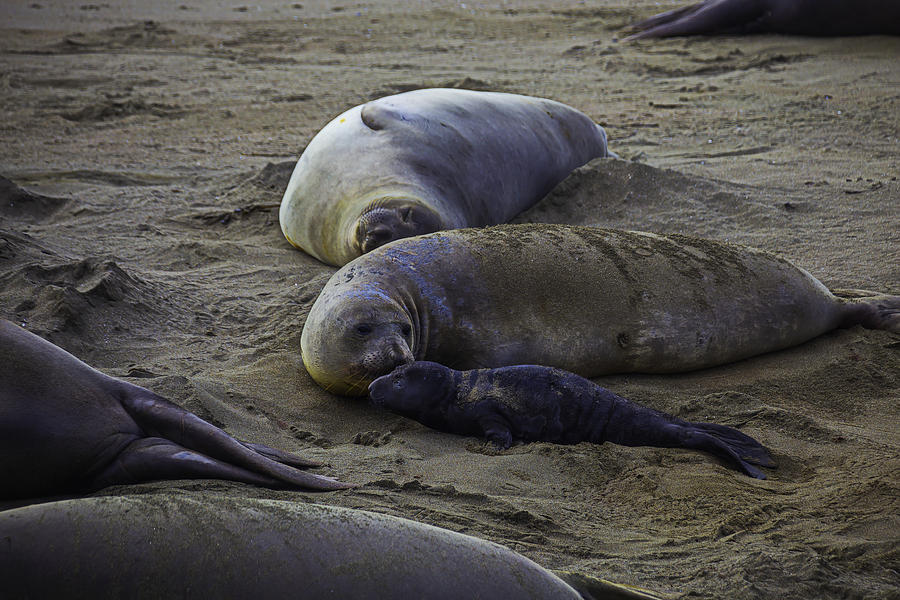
67,427
797,17
427,160
591,301
533,403
162,546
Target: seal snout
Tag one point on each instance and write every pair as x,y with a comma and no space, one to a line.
376,235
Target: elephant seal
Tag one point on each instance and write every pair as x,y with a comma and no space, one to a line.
533,403
796,17
67,427
163,546
588,300
426,160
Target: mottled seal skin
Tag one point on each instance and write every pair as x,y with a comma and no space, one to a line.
427,160
65,427
531,403
162,546
796,17
588,300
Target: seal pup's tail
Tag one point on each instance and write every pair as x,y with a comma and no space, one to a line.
872,310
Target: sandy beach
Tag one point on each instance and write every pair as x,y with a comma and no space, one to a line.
145,152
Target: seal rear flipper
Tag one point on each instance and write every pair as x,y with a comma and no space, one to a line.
871,310
695,436
278,455
703,18
630,424
152,458
159,417
747,448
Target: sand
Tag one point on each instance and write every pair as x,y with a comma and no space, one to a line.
147,150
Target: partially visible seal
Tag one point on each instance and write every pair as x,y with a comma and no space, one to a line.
67,427
796,17
426,160
588,300
177,546
532,403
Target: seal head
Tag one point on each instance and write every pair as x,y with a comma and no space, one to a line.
364,335
411,385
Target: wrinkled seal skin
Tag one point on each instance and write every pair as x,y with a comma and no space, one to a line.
219,547
532,403
588,300
796,17
66,427
426,160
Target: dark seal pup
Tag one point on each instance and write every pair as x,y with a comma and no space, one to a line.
541,404
67,427
794,17
187,546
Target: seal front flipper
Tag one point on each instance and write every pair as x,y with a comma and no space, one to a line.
159,417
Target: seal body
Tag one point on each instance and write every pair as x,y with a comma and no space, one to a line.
429,159
154,546
588,300
797,17
532,403
65,427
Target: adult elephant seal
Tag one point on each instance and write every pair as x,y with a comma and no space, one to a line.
591,301
532,403
66,427
156,546
427,160
797,17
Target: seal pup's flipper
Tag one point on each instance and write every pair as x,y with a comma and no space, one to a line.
631,424
160,418
703,18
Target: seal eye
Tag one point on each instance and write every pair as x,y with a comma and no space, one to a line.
364,329
405,214
405,329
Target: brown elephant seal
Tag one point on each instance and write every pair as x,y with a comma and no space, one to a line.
185,546
532,403
65,427
588,300
796,17
427,160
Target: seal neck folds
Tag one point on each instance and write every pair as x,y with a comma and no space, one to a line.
390,219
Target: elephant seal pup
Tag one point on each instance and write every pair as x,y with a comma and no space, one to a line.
797,17
163,546
67,427
532,403
426,160
588,300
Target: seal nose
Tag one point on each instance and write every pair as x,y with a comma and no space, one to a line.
377,235
400,354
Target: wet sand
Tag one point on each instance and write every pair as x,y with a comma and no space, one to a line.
147,150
